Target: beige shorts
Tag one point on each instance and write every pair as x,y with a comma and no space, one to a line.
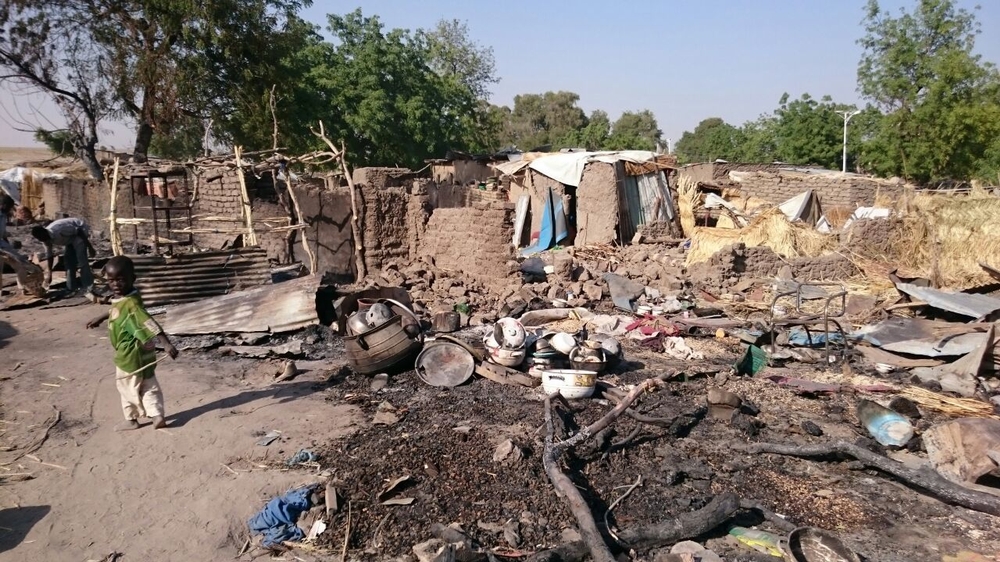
141,397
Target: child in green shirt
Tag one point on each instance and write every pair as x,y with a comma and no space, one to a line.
133,335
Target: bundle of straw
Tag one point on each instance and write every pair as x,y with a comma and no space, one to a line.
957,407
772,229
687,200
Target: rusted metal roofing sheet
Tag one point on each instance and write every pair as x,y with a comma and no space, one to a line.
196,276
279,307
973,306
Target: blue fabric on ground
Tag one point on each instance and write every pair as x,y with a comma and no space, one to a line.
277,520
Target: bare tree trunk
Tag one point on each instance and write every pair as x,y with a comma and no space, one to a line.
88,155
143,137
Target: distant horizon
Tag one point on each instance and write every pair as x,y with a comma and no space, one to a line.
683,62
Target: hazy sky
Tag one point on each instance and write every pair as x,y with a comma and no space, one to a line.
683,60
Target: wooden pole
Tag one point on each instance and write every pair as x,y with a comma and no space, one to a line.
359,245
313,264
251,239
355,221
116,236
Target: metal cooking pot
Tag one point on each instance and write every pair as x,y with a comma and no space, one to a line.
357,323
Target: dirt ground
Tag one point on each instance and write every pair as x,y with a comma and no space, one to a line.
149,494
185,493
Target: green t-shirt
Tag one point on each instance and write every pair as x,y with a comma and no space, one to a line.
132,334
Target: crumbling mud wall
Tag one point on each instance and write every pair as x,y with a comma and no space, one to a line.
475,241
328,214
451,195
385,229
597,205
733,264
833,188
718,172
380,178
84,199
90,201
219,198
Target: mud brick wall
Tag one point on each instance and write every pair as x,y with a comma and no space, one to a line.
460,172
718,172
834,189
384,226
418,214
91,201
450,196
475,241
328,214
84,199
735,263
219,197
597,205
275,244
380,178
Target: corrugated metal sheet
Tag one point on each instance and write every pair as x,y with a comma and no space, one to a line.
973,306
640,195
628,195
196,276
653,187
280,307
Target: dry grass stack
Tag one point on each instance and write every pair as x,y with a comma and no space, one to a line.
944,237
687,200
772,229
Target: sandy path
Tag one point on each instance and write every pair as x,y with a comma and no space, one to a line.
152,495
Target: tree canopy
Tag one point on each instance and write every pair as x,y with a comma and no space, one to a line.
940,101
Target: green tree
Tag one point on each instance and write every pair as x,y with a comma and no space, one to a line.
593,135
809,132
59,142
185,140
383,97
757,141
938,97
635,131
711,140
550,119
151,62
453,53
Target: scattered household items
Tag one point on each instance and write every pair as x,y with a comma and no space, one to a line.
382,345
964,450
445,363
505,345
886,426
570,383
800,294
808,544
761,541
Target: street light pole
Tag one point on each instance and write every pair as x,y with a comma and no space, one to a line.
847,117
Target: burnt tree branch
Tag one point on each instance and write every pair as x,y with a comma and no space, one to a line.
685,526
564,487
923,478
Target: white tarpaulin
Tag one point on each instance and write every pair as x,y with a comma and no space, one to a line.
11,180
867,213
567,168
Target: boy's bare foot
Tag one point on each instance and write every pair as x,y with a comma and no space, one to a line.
127,425
159,422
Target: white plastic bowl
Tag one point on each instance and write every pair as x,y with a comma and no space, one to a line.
504,356
572,384
563,342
